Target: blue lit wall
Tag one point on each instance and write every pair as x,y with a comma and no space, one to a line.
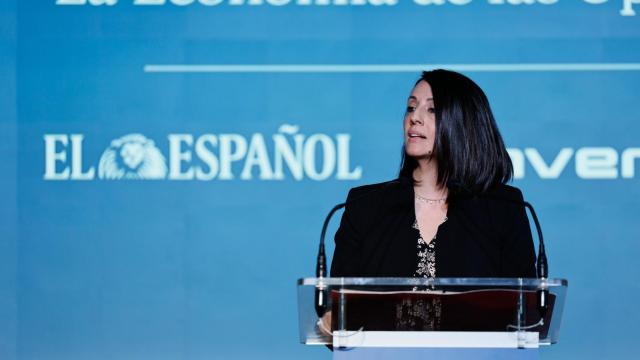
201,262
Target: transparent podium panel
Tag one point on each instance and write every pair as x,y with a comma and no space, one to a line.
442,309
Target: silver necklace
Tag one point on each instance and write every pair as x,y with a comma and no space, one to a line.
430,201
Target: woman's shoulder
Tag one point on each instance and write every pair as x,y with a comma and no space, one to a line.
379,195
376,189
506,192
502,199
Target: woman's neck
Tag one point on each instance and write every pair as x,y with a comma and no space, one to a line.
426,176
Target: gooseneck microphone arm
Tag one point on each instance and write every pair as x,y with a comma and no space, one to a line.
542,268
541,265
321,265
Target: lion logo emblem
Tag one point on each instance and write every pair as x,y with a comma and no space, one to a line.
132,157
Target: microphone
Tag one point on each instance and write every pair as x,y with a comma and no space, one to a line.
321,294
321,265
542,268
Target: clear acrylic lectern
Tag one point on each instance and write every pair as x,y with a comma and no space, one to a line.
430,313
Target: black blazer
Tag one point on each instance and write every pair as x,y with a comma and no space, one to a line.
485,236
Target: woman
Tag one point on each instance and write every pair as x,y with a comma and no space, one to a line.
449,214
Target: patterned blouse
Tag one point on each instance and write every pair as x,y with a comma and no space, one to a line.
420,313
426,255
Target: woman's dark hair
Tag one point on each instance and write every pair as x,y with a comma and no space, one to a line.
468,147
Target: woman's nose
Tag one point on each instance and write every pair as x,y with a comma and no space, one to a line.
415,120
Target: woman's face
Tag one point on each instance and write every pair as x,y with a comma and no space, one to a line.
420,122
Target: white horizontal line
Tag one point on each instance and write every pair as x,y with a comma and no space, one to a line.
387,68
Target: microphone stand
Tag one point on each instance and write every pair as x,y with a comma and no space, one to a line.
542,267
321,266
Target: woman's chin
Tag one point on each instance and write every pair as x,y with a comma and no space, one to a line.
419,155
416,151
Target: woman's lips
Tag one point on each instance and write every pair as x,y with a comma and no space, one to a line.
414,137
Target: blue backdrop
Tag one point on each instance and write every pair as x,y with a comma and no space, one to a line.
246,159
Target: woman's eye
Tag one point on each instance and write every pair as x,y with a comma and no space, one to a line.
411,108
431,110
